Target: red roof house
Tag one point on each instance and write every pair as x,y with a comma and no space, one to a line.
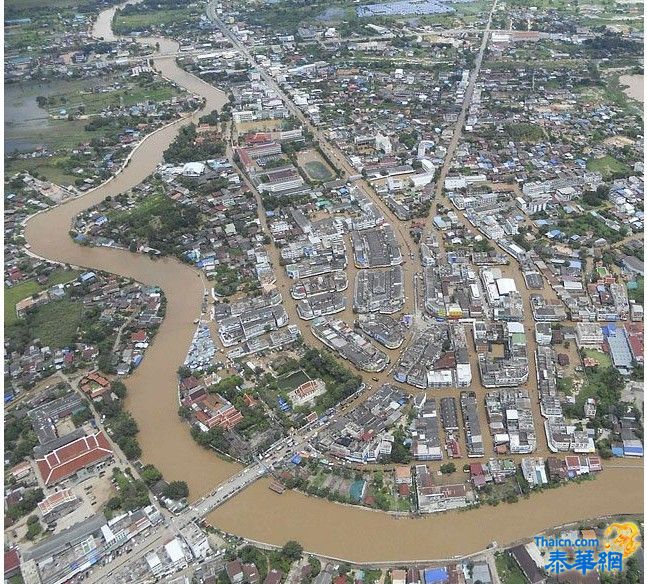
67,460
95,385
217,411
11,563
139,337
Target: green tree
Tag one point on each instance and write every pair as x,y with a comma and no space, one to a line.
176,490
119,389
184,372
150,474
400,454
130,447
33,527
292,550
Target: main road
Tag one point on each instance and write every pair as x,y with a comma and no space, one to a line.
467,101
407,246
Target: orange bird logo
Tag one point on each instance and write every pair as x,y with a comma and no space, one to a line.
622,537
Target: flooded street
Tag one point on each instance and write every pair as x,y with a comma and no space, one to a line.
258,513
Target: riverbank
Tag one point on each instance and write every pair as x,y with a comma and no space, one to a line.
386,564
370,537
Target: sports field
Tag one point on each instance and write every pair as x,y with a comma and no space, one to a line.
314,166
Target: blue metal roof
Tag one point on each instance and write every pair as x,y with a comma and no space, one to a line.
435,575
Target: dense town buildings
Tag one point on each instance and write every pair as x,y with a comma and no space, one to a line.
409,244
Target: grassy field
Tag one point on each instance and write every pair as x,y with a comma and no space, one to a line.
17,293
14,295
58,134
638,293
153,204
602,358
146,20
525,132
509,572
607,166
25,5
52,169
292,381
56,323
93,103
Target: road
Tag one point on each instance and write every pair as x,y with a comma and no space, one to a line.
407,246
170,527
460,122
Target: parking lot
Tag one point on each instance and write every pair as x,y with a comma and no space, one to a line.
93,494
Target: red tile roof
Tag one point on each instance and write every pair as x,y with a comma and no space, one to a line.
572,462
71,458
637,347
11,562
139,337
453,448
595,463
476,468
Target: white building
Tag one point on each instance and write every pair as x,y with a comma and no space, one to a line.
534,471
193,169
155,564
383,143
176,555
588,335
543,333
419,181
463,374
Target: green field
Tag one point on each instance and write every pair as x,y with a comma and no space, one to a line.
607,166
58,134
51,169
525,132
154,204
26,5
124,24
602,358
638,293
15,294
292,381
56,323
509,571
94,102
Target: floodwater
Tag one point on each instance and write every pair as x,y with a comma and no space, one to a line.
635,86
258,513
26,125
152,399
361,535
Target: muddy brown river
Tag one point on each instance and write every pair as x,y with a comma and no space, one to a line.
257,513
